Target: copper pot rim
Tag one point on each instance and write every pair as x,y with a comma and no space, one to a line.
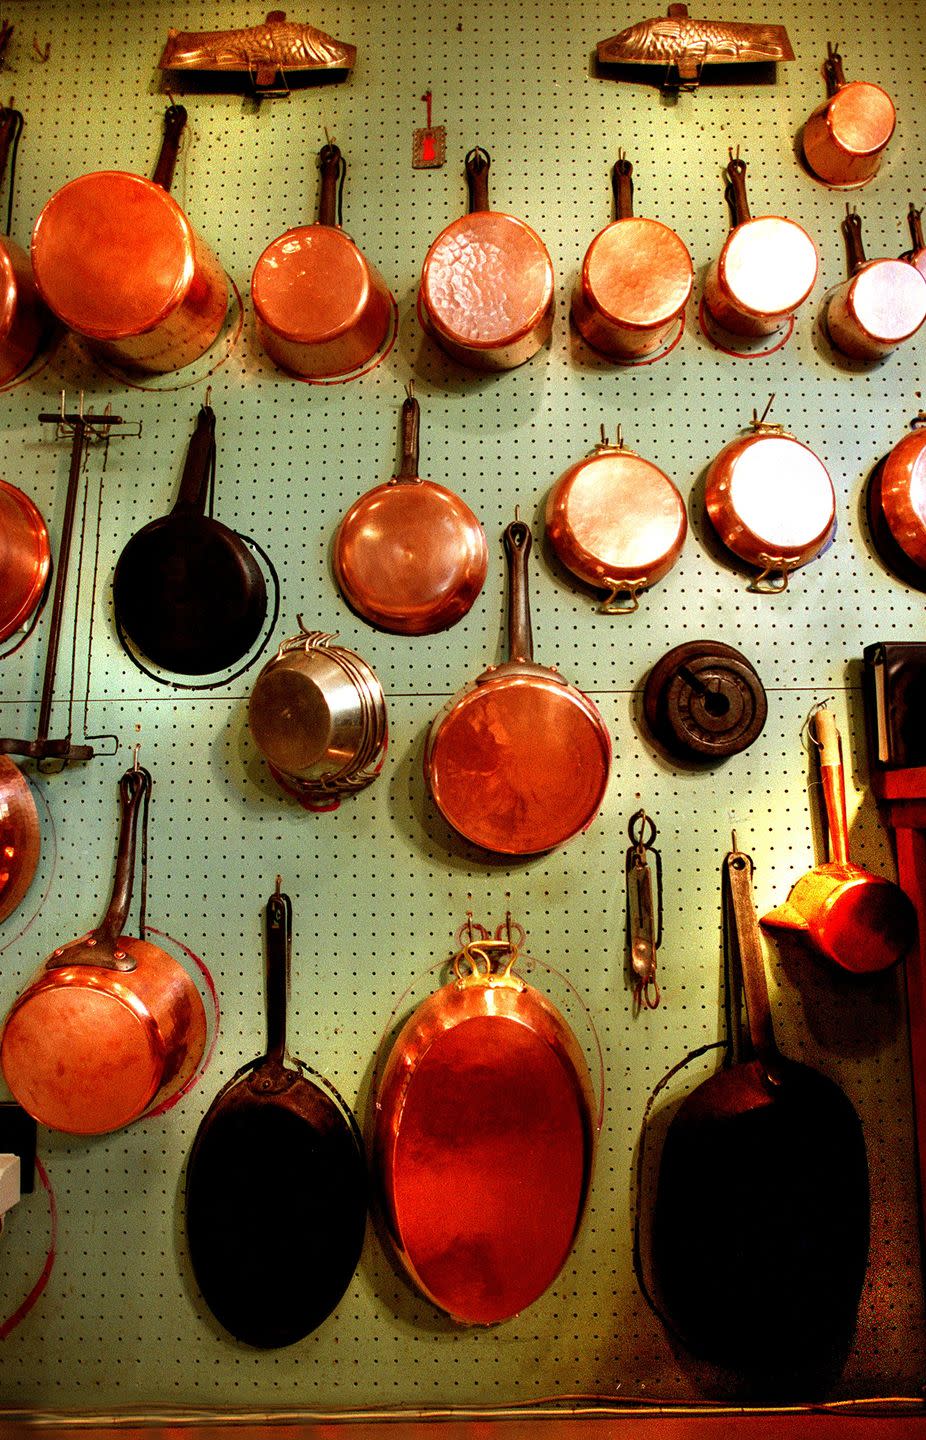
37,531
431,314
851,290
723,257
638,326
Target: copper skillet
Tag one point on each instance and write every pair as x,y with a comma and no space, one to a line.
518,762
321,308
410,555
486,292
845,137
617,522
896,502
635,281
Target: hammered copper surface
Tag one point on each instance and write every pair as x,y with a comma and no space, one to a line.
635,282
880,307
845,137
19,836
903,495
25,558
770,499
766,270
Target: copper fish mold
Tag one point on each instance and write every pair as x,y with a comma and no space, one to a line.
270,54
682,46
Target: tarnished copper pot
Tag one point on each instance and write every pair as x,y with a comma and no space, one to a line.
321,308
882,304
765,271
635,282
25,559
616,521
19,836
845,137
486,292
116,260
111,1025
771,501
24,318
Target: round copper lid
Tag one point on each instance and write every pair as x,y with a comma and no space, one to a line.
768,266
25,558
112,254
311,285
861,118
779,491
887,300
638,273
487,280
903,495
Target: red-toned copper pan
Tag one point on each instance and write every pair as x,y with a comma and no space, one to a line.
882,304
617,522
484,1139
771,501
765,271
410,555
518,762
19,836
321,308
486,292
635,282
845,137
116,259
24,318
25,559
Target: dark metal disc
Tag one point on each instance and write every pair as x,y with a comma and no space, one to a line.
703,700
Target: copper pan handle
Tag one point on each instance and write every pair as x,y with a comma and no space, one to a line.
175,118
331,163
279,935
736,191
517,539
914,220
832,69
478,162
622,185
852,229
832,780
411,417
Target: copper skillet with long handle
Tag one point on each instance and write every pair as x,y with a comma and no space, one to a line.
320,307
881,304
518,762
410,555
486,292
117,260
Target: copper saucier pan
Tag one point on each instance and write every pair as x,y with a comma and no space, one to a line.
845,137
882,304
635,280
117,260
321,308
486,291
862,922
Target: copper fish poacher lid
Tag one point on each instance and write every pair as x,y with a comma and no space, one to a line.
616,521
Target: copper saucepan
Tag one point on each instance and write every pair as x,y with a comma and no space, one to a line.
518,762
320,306
116,260
635,282
410,555
771,501
616,521
845,137
486,292
765,271
25,559
882,304
111,1024
860,921
896,502
19,836
24,318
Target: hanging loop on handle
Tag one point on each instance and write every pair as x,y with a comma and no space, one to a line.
478,163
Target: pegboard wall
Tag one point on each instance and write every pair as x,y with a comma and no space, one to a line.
381,885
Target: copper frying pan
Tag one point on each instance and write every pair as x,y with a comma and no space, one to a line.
25,559
410,555
486,292
860,921
617,522
484,1138
518,762
896,503
321,308
116,259
880,305
845,137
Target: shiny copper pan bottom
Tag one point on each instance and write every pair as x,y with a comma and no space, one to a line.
19,836
25,558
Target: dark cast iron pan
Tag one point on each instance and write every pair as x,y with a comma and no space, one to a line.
187,590
276,1188
761,1220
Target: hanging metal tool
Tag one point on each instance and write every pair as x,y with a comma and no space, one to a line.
644,921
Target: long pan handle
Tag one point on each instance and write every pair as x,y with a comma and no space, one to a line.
279,930
198,467
411,422
744,940
517,540
834,790
175,118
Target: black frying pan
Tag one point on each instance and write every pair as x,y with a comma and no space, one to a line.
276,1189
761,1221
187,590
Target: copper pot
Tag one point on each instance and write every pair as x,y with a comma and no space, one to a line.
765,271
19,836
111,1025
24,319
771,501
117,261
845,137
896,505
635,282
486,292
882,304
321,308
25,559
617,522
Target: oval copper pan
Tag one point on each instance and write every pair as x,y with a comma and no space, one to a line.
25,558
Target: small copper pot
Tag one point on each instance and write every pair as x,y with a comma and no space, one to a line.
116,260
617,522
771,501
845,137
635,282
486,292
321,308
765,271
882,304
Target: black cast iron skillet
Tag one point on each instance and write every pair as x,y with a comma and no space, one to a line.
187,591
276,1189
761,1220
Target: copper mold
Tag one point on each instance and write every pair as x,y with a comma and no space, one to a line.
683,45
271,54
